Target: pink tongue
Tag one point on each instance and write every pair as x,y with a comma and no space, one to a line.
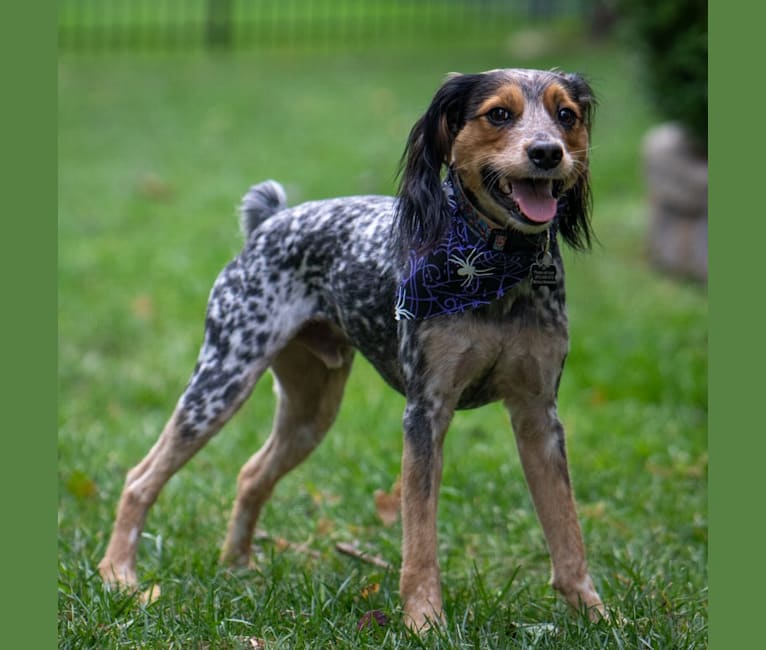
535,199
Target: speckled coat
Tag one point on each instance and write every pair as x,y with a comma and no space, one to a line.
315,282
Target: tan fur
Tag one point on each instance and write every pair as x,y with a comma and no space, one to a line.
419,580
142,485
525,368
555,98
480,142
444,364
309,392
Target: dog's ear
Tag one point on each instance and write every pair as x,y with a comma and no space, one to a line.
574,222
583,94
422,214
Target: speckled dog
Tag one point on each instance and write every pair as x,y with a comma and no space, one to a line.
454,291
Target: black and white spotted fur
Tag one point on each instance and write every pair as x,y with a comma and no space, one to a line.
317,281
292,271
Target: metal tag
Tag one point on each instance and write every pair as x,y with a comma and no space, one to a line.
543,272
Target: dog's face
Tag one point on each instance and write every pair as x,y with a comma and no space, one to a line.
518,140
523,144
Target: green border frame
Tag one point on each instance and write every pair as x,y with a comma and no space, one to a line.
28,344
737,232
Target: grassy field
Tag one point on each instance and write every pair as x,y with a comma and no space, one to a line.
154,156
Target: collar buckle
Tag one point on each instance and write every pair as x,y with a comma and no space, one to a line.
497,239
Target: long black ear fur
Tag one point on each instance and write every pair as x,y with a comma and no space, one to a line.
574,220
422,215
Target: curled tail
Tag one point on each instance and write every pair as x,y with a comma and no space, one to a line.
260,202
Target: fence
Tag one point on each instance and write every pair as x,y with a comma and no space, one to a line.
86,25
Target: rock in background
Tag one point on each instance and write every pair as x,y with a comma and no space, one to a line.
677,182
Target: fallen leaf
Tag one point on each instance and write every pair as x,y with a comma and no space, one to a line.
80,485
142,307
114,409
683,468
374,615
150,186
324,526
623,579
594,510
322,497
388,504
282,544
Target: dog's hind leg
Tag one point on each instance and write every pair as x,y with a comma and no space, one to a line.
179,441
231,360
309,383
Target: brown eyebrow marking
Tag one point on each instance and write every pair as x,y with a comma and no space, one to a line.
556,96
508,96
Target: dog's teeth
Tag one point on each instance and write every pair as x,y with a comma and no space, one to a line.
505,188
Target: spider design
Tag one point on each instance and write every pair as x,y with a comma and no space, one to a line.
467,267
400,313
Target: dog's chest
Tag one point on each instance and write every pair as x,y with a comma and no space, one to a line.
523,368
484,359
507,372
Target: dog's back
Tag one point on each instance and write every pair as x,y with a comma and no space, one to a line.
330,261
316,281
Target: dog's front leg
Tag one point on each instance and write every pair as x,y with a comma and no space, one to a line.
425,423
540,440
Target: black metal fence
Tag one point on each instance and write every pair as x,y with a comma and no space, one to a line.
86,25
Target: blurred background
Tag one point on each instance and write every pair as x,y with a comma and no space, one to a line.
170,109
663,43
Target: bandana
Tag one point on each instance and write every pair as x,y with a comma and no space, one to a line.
472,265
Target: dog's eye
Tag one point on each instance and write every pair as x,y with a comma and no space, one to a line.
567,117
499,116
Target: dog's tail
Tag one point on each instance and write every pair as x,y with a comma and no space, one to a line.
260,202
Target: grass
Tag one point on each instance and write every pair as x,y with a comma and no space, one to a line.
154,155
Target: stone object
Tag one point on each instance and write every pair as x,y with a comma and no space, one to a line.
677,181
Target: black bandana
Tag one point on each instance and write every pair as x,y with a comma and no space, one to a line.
471,266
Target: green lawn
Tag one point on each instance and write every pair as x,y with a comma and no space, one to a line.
154,154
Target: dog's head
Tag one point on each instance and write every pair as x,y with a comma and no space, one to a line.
518,140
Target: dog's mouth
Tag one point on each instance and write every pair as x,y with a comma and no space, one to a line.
531,200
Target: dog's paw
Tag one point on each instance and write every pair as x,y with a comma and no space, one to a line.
422,617
118,575
149,595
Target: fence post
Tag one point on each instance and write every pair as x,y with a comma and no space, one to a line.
218,26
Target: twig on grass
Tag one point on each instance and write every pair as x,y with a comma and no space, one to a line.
355,552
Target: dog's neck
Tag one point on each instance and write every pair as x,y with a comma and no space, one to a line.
497,237
473,265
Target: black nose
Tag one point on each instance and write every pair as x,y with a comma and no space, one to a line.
546,155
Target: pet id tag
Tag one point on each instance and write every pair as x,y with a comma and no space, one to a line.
543,271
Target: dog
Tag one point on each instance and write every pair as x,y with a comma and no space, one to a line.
453,290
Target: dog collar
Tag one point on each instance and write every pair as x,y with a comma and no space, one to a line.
473,265
497,238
